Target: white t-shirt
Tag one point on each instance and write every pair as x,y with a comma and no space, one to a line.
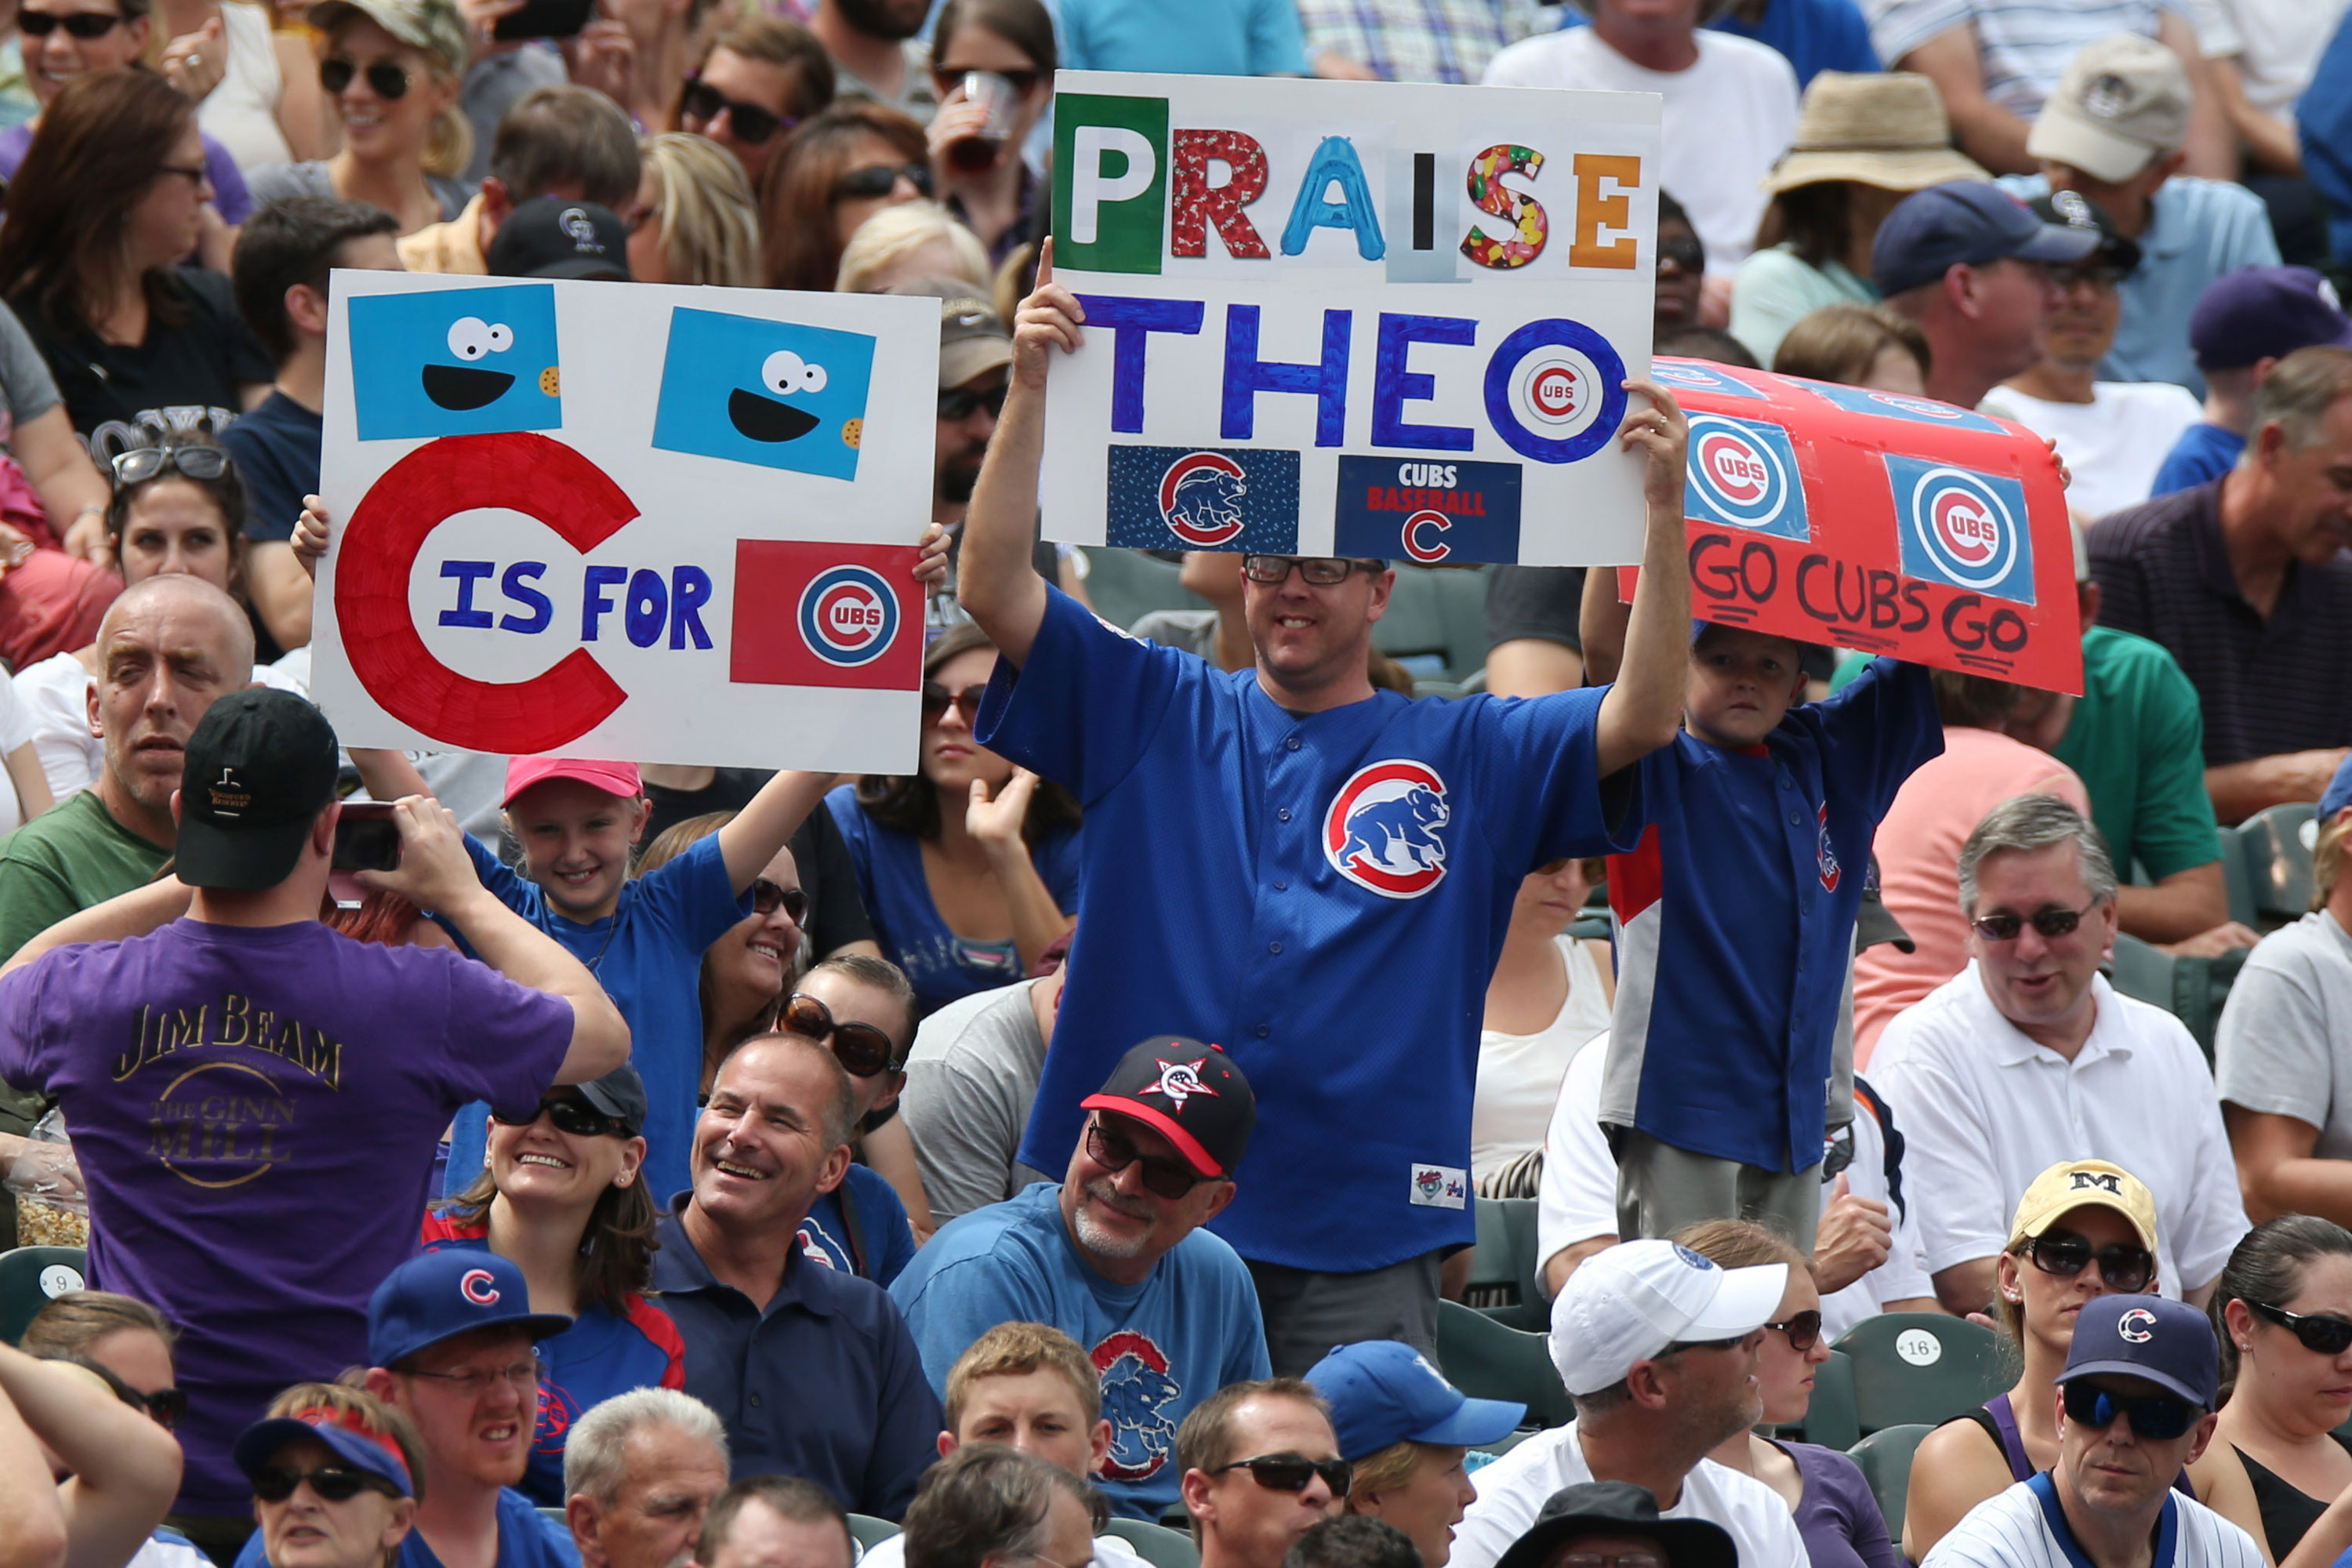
2284,1044
1984,1109
57,692
1513,1490
2114,443
241,110
1725,120
1518,1074
2013,1529
2275,43
1577,1199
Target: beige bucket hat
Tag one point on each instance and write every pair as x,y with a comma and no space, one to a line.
1887,131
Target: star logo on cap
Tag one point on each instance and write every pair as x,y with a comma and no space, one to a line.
2137,1325
1179,1081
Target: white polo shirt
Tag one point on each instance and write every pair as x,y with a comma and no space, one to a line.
1577,1198
1984,1109
1513,1490
2025,1528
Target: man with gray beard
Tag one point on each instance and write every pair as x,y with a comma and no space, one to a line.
1116,1257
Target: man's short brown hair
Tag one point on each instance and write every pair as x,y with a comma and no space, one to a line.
1016,1350
1207,1439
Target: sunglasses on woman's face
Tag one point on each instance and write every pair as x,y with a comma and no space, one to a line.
387,80
83,25
751,124
140,464
880,180
938,700
2123,1268
1805,1331
333,1483
862,1049
576,1117
165,1406
2323,1334
768,896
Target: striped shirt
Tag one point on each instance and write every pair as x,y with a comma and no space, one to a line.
2265,686
2024,44
1416,40
2024,1527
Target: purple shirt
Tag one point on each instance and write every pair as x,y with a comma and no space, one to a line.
1838,1515
230,198
255,1111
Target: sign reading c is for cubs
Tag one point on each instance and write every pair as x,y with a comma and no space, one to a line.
521,472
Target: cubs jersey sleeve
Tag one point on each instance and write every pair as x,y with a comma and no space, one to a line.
1161,1346
2025,1527
1323,895
1735,921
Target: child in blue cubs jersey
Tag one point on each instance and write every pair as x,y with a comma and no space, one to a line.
1735,923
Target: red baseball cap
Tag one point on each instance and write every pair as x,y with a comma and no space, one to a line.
613,778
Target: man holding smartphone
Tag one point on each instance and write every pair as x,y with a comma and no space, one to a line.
255,1097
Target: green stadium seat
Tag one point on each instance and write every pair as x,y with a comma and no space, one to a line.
1157,1544
1831,1420
869,1532
1489,1360
1435,624
1127,584
1922,1366
1885,1459
2276,844
29,1277
1503,1267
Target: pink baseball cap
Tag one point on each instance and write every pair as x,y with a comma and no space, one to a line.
613,778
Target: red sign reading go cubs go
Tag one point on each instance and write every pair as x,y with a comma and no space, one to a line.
521,473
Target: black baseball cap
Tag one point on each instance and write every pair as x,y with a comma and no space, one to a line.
2265,312
2074,210
551,237
619,1094
1619,1508
1191,1094
1965,222
1873,923
259,769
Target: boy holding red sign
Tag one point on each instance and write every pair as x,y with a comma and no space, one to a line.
1735,917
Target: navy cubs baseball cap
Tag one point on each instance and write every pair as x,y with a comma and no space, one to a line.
1191,1094
1619,1508
441,1295
2169,1344
259,769
355,1446
1970,222
2265,312
1382,1393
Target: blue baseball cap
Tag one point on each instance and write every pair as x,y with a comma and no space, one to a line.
441,1295
2265,312
2339,794
1966,222
2169,1344
356,1446
1381,1391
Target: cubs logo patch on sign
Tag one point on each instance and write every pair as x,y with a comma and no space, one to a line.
1177,498
2138,1325
1962,529
1385,829
825,615
1900,406
1139,1400
1427,512
1743,475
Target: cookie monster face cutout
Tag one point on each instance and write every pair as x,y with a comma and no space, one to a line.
776,394
455,362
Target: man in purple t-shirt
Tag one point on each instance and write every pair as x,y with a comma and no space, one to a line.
256,1099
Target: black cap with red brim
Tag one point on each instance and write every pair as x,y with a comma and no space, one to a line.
1191,1094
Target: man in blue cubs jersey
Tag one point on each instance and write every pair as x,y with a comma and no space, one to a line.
1313,874
1114,1256
1734,923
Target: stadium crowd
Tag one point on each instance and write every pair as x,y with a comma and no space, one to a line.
1067,1153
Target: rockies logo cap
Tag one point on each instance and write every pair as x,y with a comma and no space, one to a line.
2076,1183
2169,1344
441,1295
1191,1094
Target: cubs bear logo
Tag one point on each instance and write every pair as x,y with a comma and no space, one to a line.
1201,499
1383,830
848,616
479,1286
1743,474
2138,1325
1826,853
1962,529
1138,1399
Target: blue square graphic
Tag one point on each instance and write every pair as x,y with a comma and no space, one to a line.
1901,405
1189,498
777,394
454,361
1742,473
1963,529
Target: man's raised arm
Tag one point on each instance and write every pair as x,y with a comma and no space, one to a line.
995,580
1644,708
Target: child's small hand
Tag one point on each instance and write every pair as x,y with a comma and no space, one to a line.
931,569
312,531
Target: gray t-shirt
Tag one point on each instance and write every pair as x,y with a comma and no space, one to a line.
2284,1044
26,383
1194,631
969,1081
313,179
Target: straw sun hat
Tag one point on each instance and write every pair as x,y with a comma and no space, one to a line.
1887,131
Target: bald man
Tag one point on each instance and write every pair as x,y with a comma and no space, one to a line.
168,647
